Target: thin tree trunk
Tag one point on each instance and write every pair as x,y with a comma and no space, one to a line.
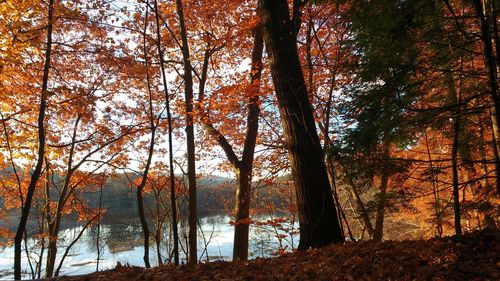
319,224
191,162
333,179
360,206
454,159
98,238
159,224
144,226
496,146
378,234
379,217
41,148
66,252
330,168
152,128
243,167
243,196
175,231
435,191
476,186
482,151
66,190
496,36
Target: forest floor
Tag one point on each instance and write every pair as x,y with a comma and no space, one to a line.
474,256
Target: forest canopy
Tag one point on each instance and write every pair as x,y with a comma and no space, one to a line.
341,115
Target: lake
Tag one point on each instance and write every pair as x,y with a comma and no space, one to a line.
123,243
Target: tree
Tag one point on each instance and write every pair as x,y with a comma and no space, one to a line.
190,148
319,224
153,125
41,146
243,166
170,138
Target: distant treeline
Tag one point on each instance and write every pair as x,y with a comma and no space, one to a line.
215,194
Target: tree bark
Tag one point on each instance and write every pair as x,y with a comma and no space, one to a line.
191,162
492,68
319,224
242,210
435,191
378,234
243,168
152,128
454,154
360,206
478,189
495,145
170,138
41,148
55,224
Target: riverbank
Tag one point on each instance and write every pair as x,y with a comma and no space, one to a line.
474,256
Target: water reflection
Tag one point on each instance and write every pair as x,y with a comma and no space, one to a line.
122,242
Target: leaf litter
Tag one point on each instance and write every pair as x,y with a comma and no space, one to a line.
474,256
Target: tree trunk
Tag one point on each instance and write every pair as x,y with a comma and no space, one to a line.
175,231
144,226
244,172
191,171
242,210
68,249
476,186
51,251
496,146
65,193
152,128
98,234
435,191
454,158
41,149
243,168
492,68
378,234
360,206
319,224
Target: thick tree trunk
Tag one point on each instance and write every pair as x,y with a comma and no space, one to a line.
41,149
191,162
492,68
51,252
242,210
319,224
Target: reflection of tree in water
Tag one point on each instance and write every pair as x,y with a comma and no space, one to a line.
215,219
118,237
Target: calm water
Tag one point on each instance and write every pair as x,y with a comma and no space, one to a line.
123,243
